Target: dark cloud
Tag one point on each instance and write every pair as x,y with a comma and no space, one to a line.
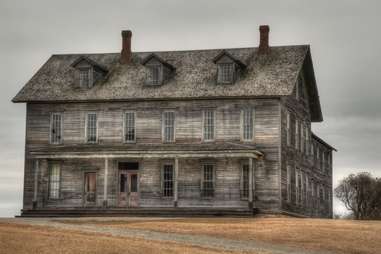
343,35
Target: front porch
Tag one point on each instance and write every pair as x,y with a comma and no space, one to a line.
133,181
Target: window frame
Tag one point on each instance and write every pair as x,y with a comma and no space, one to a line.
58,182
86,128
90,82
125,140
210,194
288,183
225,70
204,125
51,128
150,74
163,126
252,124
163,181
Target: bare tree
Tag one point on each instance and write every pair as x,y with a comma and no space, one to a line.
361,194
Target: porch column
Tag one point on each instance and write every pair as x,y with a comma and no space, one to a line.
175,189
105,183
251,183
35,189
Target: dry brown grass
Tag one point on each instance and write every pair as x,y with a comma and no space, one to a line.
341,236
20,239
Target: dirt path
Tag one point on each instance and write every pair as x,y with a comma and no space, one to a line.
195,240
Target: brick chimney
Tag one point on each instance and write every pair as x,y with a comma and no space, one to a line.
125,56
264,39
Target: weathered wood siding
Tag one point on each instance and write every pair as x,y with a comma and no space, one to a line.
188,130
306,162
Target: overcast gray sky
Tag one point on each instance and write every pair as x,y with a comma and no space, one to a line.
344,36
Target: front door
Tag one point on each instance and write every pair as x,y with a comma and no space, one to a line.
128,188
133,199
90,188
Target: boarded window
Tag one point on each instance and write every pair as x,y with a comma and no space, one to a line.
169,126
54,181
247,122
209,122
56,128
129,127
154,74
288,128
91,128
225,73
168,180
245,182
207,180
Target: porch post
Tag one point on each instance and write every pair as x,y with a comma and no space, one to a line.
105,183
175,190
251,183
35,190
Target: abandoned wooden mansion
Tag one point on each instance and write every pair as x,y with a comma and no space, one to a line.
217,131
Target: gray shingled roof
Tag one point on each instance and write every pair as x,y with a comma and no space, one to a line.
272,74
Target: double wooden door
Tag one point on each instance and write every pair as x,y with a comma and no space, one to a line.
128,188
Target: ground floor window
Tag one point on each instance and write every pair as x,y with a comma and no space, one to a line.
207,183
245,182
54,180
168,180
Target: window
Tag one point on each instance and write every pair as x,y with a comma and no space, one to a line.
209,125
168,126
298,182
154,74
84,78
288,129
56,128
207,184
245,181
225,73
168,180
288,183
54,181
296,134
129,127
91,128
247,124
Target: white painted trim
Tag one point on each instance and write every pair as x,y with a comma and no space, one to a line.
97,126
163,126
124,127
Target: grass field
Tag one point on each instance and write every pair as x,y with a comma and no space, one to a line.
336,236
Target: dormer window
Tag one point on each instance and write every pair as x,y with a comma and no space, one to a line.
154,74
228,68
87,72
84,78
158,70
225,73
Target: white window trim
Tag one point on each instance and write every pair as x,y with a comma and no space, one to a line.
97,126
162,179
203,125
124,126
242,129
163,126
51,126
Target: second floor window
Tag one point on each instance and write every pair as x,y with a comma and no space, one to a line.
54,181
167,180
247,124
56,128
129,127
91,128
207,183
169,126
209,125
